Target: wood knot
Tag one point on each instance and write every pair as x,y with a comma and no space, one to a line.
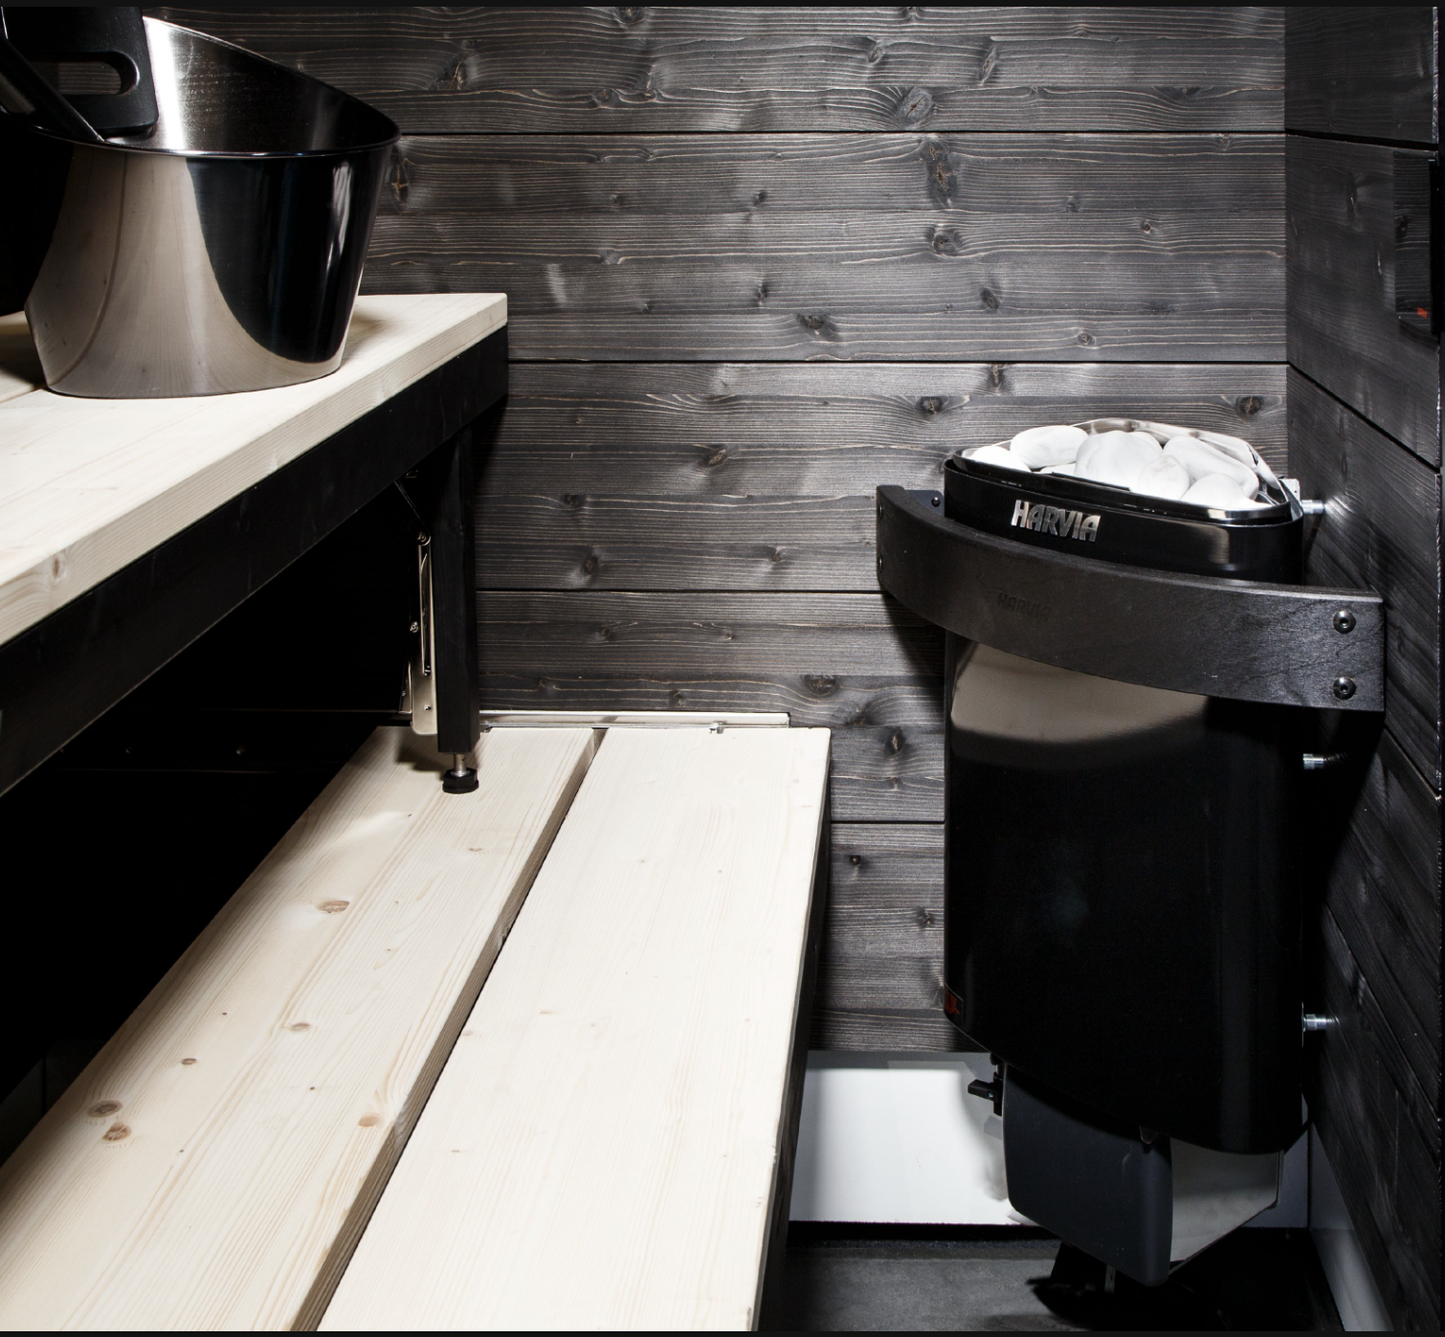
940,176
821,684
115,1132
630,15
400,180
368,1121
924,917
775,554
932,405
573,499
1248,405
299,1026
856,860
715,458
760,197
989,64
332,907
876,52
896,741
188,1063
914,107
103,1109
995,374
1086,338
819,323
988,298
590,564
946,241
1071,205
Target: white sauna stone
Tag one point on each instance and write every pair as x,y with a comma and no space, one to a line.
1164,477
1219,491
1040,446
1234,446
1201,460
1001,456
1116,457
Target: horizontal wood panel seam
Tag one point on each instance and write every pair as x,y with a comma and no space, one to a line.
1323,389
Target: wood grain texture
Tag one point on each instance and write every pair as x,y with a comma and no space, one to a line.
759,476
1382,892
1055,247
1173,180
859,664
880,986
215,1163
1362,70
509,71
888,773
1382,1141
89,485
836,660
616,1099
1343,331
1382,532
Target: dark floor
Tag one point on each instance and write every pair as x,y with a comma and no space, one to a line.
848,1278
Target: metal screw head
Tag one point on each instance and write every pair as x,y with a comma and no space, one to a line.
1343,688
1344,622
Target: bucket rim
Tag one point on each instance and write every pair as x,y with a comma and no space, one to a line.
137,144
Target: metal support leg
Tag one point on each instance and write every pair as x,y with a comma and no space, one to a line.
446,486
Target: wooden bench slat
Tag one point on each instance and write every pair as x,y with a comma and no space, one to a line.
601,1149
214,1164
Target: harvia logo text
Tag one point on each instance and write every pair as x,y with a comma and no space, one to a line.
1051,520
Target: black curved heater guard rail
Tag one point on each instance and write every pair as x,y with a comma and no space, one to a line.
1244,640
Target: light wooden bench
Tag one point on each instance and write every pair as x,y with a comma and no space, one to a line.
609,1143
214,1164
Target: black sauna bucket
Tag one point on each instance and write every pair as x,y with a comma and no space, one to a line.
220,250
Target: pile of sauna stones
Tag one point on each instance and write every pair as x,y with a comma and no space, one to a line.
1219,473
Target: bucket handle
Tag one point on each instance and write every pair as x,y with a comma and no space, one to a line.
23,92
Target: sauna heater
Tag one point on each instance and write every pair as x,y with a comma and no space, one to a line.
1127,685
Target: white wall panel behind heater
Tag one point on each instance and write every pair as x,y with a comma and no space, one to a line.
896,1138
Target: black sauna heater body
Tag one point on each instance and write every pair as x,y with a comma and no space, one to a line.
1124,681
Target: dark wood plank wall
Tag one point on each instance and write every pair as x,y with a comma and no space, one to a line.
760,261
1364,433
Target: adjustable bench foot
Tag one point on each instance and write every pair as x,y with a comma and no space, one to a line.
461,779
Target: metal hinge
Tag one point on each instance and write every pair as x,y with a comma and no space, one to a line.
420,697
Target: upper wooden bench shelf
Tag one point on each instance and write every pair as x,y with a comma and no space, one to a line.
130,527
89,485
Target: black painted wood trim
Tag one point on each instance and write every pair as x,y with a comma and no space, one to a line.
66,671
1244,640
